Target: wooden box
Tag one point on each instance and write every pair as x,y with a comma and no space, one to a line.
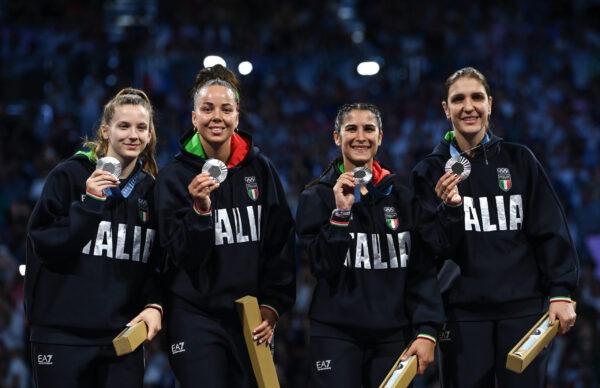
130,338
402,373
532,343
260,355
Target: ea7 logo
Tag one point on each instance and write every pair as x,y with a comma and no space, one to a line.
44,359
324,365
177,348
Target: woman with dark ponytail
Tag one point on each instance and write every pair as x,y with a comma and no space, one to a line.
92,265
228,232
376,288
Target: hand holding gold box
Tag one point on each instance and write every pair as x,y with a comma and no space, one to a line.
532,343
260,355
130,338
402,373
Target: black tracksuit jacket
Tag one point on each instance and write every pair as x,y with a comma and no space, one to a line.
91,264
510,237
244,247
372,274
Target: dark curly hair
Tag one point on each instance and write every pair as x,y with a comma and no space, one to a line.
216,75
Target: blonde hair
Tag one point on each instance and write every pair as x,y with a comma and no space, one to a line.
126,96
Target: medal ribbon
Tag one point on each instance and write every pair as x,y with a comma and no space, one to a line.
127,189
374,191
454,151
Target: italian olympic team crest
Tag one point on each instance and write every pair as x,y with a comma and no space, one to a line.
391,217
143,210
251,187
504,180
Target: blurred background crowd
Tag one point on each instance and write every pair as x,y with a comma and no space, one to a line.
62,59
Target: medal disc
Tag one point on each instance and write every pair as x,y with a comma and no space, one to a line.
459,165
362,175
110,165
216,169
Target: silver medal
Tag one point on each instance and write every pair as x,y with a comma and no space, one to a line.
110,165
459,165
362,175
216,169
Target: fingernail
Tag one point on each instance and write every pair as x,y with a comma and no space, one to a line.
255,338
128,325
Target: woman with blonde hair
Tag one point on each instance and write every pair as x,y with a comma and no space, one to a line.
91,259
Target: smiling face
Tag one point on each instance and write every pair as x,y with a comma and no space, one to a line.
215,115
359,138
468,106
128,133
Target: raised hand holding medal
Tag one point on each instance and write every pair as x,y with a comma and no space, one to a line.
216,169
457,169
459,165
110,165
105,176
213,173
362,176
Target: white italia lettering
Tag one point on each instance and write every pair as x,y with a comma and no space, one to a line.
253,225
86,249
257,223
121,234
137,237
223,230
362,252
471,220
485,215
377,263
244,228
404,242
362,256
148,242
103,245
516,212
489,215
501,212
240,236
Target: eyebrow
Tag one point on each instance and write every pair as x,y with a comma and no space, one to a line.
352,125
212,104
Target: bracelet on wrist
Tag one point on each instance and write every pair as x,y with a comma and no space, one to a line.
338,213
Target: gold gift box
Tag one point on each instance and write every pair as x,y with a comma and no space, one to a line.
260,355
130,338
402,373
532,343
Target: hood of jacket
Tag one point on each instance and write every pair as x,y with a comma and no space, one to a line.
488,146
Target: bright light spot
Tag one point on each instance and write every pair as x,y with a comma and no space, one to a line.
212,60
245,68
22,269
367,68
